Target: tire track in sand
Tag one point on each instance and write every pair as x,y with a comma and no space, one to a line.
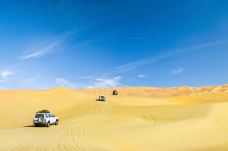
73,137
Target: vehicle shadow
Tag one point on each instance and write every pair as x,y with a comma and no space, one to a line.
29,126
40,126
100,100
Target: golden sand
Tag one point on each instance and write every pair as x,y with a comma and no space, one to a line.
139,119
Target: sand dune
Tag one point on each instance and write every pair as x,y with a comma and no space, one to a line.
158,119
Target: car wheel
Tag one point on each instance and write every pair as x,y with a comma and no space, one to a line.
56,122
48,124
36,125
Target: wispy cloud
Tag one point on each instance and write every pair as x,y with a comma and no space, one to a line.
176,71
49,48
25,79
85,77
106,82
6,73
141,75
64,83
166,55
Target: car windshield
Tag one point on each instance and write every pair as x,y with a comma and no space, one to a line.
39,115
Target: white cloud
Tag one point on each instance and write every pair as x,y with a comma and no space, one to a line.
141,76
176,71
43,51
64,83
136,64
5,74
85,77
106,82
168,54
48,48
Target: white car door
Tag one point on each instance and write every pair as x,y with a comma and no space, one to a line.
49,117
52,118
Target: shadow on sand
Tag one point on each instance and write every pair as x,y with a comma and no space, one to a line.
39,126
29,126
100,100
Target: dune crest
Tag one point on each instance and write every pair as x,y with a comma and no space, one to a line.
160,92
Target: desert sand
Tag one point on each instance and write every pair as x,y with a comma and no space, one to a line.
138,119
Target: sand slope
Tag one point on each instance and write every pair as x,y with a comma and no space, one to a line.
158,119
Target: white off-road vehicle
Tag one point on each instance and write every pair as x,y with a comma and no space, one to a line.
45,118
101,98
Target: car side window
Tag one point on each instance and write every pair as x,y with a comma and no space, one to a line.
48,115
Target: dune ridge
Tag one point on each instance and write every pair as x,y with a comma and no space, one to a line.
160,92
140,118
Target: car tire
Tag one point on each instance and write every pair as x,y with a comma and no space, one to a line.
36,125
56,122
48,124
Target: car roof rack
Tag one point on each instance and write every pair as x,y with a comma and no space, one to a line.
43,111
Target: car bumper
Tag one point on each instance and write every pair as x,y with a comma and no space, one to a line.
41,123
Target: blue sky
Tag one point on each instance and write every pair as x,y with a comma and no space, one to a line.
99,43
